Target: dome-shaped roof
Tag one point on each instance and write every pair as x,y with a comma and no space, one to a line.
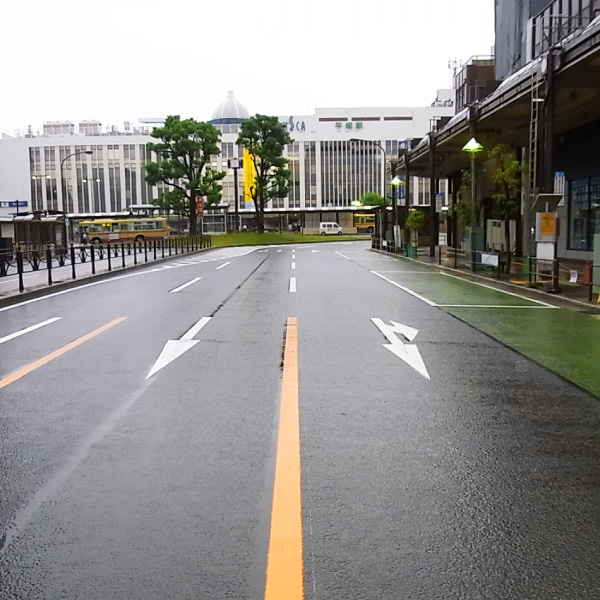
230,110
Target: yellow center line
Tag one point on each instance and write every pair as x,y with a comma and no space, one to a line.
46,359
284,561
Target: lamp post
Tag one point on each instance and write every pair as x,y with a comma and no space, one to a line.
395,183
62,174
473,147
384,220
235,164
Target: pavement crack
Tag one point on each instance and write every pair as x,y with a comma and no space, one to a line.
230,296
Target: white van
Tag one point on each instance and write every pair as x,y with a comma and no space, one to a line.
329,229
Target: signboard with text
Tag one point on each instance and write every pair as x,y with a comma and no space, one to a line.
200,206
546,227
547,224
13,204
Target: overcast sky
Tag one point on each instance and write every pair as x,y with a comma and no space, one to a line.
118,60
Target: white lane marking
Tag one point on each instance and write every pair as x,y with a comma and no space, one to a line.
278,250
181,287
230,254
292,284
175,348
409,353
223,265
405,289
493,306
314,250
16,334
490,287
342,255
411,272
195,329
410,333
293,265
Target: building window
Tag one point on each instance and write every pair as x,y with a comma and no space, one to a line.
584,213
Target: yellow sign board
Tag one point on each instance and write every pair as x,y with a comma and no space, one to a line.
249,176
548,224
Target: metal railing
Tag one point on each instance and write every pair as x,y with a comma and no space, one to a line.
20,261
555,276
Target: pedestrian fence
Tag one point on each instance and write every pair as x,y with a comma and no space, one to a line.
106,257
554,275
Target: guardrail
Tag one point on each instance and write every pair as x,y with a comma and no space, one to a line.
19,262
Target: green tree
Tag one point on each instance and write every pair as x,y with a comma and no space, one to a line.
373,199
265,138
462,206
507,177
414,221
183,163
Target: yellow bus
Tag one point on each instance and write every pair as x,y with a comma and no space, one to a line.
364,222
101,231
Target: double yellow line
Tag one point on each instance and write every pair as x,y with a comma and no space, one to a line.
46,359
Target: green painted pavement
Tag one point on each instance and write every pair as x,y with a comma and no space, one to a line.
563,340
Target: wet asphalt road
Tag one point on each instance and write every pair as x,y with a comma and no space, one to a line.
480,482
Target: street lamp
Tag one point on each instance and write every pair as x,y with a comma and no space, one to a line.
395,183
235,164
381,148
384,217
473,147
62,175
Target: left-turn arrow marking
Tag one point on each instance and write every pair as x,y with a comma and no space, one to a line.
175,348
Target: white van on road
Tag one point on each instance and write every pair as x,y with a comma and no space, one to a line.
329,229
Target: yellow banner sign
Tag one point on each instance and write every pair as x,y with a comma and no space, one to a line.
548,224
249,176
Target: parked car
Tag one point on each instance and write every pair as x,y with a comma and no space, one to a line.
330,229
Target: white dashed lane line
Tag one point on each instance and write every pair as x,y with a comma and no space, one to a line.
181,287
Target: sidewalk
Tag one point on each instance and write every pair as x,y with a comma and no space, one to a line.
36,281
573,295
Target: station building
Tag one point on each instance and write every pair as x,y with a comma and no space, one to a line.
85,170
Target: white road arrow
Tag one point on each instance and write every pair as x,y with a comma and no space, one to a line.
409,353
175,348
